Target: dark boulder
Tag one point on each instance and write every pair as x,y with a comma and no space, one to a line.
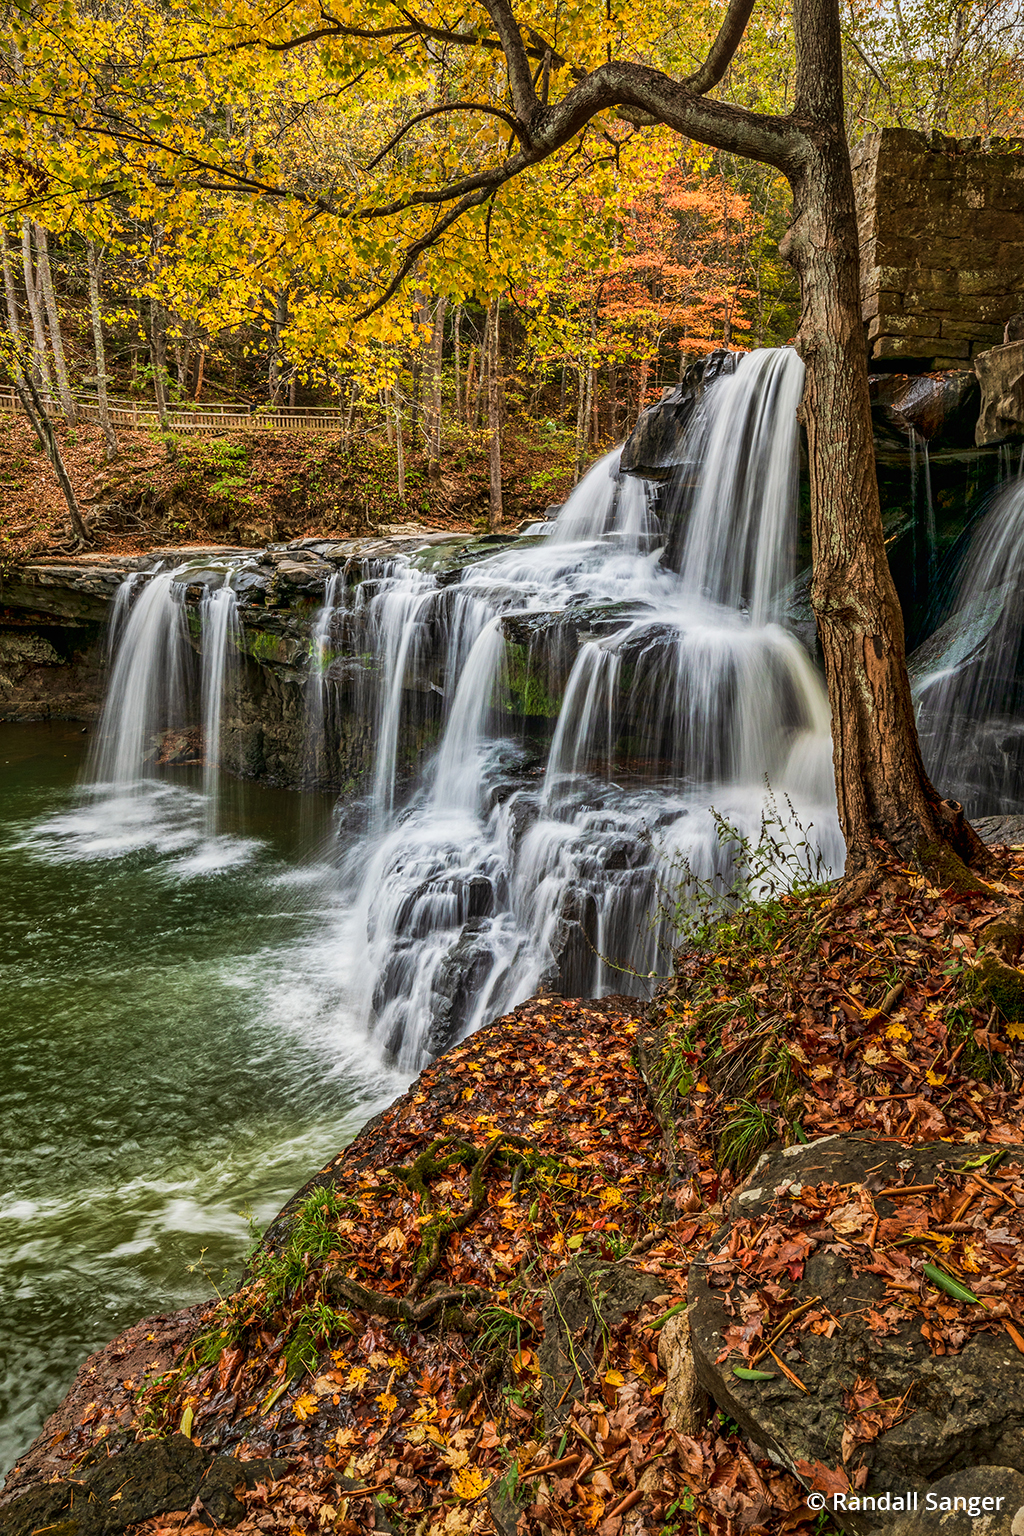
112,1492
941,408
963,1408
656,443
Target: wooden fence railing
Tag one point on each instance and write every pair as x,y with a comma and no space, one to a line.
194,418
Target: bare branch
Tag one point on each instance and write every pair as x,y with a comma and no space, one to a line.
723,49
520,75
449,106
417,248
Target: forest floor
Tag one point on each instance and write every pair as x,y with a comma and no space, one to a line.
254,488
408,1344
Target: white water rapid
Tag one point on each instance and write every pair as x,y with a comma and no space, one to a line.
596,714
967,674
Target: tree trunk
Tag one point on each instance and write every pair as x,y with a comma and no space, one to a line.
436,357
582,374
399,444
40,367
457,338
35,409
158,362
199,373
884,794
10,293
274,379
94,259
60,365
496,509
470,413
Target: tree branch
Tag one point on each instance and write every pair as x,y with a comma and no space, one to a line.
450,106
520,75
723,49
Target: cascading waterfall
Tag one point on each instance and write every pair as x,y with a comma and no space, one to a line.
967,675
154,691
148,686
218,614
318,693
522,826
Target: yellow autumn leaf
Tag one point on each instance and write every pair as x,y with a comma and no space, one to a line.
935,1078
614,1379
1015,1029
387,1401
357,1377
346,1438
470,1483
611,1196
394,1239
305,1406
897,1031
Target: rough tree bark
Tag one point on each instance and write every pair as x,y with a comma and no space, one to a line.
436,354
60,364
94,258
39,366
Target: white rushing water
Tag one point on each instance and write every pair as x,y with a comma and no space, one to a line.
506,863
967,674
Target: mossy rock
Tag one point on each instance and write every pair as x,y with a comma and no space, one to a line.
1003,985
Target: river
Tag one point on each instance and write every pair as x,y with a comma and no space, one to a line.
174,1065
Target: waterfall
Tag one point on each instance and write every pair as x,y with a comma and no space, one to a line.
558,725
148,685
318,685
966,675
218,614
742,531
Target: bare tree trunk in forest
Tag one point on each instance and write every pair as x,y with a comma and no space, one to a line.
95,259
496,511
275,376
399,444
10,293
32,404
158,363
470,412
199,373
389,420
645,364
40,367
436,357
60,365
582,372
457,338
481,379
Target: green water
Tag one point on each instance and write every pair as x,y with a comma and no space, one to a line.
174,1057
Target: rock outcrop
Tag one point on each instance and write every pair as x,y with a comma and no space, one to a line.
808,1408
1001,374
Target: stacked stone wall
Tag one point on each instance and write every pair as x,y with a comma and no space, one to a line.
941,225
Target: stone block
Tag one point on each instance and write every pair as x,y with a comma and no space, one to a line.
895,347
999,224
981,279
961,330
